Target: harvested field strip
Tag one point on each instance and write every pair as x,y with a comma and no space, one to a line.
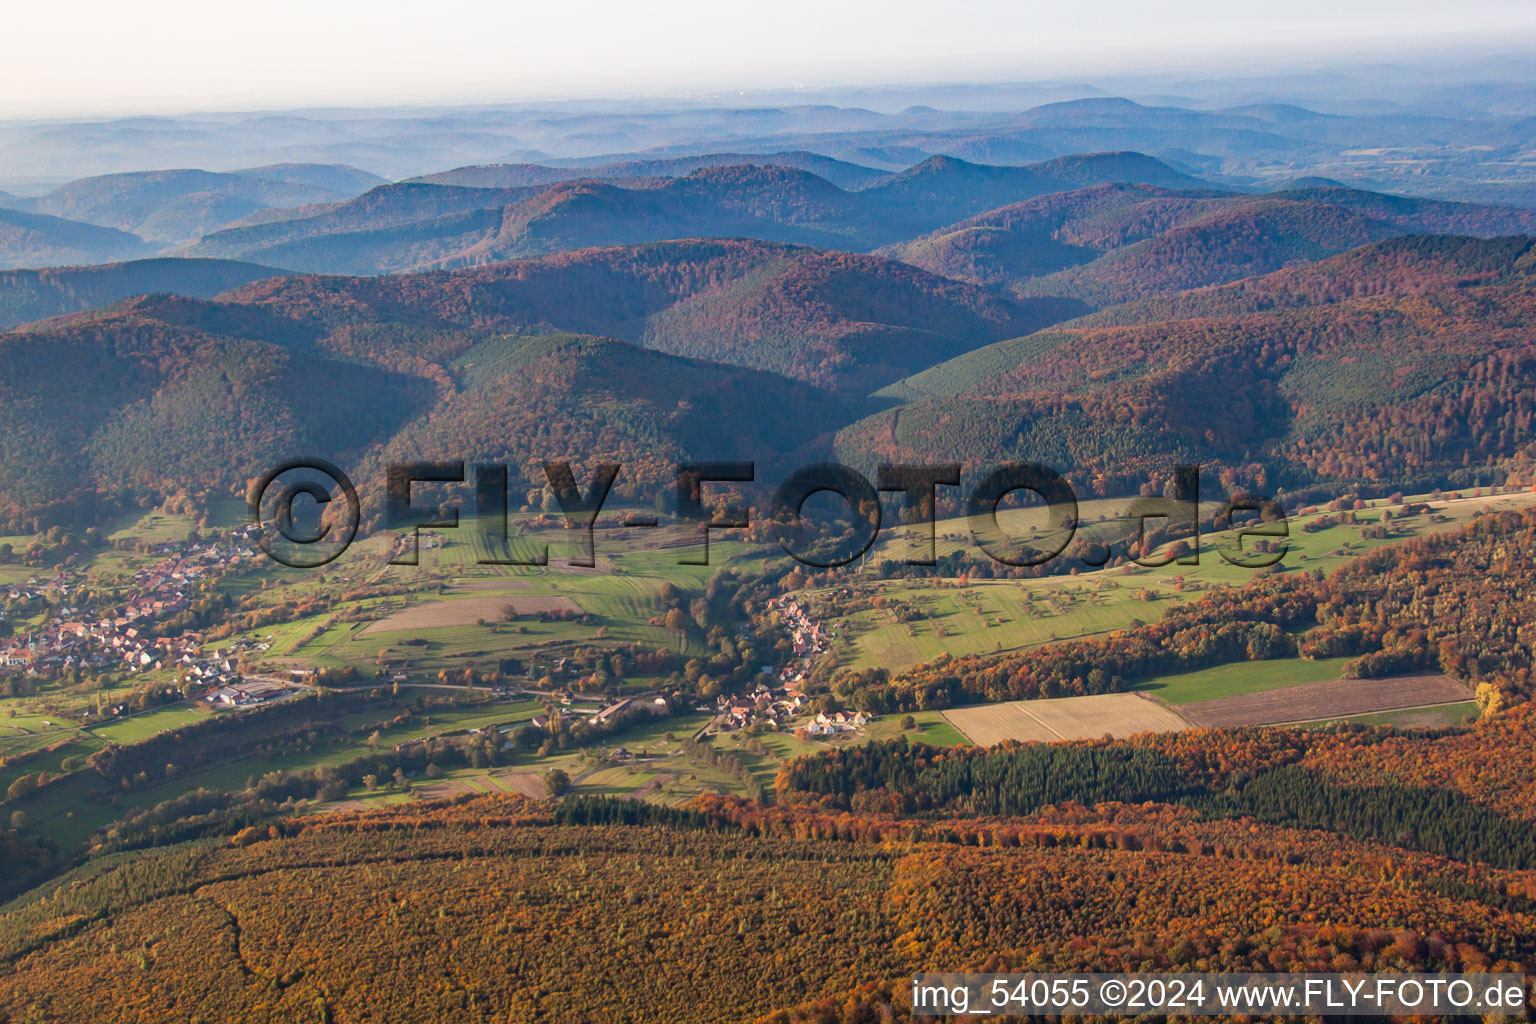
1310,702
466,611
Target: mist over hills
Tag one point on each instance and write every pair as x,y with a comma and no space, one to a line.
1452,131
949,187
840,172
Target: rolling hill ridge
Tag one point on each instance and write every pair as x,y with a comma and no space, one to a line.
839,320
1115,243
177,205
421,225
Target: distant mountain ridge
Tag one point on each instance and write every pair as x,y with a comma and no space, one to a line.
840,172
949,188
416,230
179,205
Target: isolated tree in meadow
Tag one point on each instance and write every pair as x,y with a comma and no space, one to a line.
556,781
23,786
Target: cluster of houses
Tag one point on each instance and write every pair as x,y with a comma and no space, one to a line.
780,706
809,637
837,722
764,705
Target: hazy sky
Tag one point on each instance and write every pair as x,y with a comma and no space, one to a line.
88,56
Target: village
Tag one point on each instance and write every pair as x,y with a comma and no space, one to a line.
109,636
778,707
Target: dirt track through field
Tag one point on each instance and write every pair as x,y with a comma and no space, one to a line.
1331,699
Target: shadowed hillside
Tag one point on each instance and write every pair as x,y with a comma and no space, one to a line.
947,189
1409,361
35,294
37,240
163,393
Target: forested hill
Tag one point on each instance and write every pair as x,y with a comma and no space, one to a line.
1409,362
840,172
839,320
797,915
949,188
1399,267
1405,362
164,393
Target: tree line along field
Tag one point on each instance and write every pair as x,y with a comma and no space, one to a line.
1064,718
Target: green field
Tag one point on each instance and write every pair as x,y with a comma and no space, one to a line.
1242,677
69,816
148,723
622,595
